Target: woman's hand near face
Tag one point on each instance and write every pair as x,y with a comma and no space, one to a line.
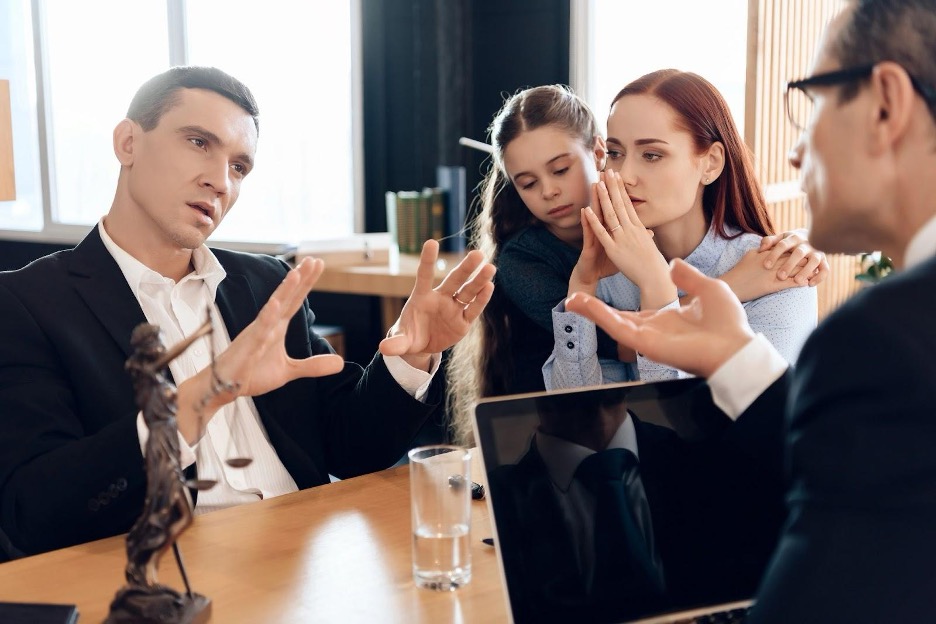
593,263
629,245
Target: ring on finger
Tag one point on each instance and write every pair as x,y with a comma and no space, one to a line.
455,297
616,227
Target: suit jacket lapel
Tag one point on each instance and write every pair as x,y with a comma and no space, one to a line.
542,514
99,281
237,303
656,462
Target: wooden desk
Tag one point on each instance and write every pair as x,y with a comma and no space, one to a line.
336,553
392,282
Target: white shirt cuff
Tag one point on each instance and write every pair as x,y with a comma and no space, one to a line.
746,375
186,452
415,381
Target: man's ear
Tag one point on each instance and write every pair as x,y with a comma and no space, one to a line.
713,162
124,135
893,104
601,153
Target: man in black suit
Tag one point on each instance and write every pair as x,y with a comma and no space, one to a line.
860,540
71,438
712,515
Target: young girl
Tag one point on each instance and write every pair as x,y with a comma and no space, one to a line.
530,227
680,185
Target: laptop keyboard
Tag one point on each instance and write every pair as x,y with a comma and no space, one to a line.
730,616
731,613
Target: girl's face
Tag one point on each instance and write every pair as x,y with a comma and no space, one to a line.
658,162
553,172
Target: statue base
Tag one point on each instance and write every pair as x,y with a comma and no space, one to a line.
158,605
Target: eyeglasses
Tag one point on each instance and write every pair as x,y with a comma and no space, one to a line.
799,102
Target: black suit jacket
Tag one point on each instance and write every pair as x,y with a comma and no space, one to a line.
71,468
716,507
860,543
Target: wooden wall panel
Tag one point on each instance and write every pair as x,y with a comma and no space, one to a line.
781,44
7,179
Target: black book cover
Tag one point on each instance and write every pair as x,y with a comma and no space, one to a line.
452,181
34,613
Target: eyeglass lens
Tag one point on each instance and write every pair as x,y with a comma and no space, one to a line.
799,108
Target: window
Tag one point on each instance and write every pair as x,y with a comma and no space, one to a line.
16,65
89,83
617,41
301,61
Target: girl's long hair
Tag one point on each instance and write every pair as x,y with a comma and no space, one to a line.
481,364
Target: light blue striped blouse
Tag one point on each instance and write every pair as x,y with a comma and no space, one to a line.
786,318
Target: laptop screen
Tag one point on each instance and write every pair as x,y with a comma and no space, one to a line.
688,518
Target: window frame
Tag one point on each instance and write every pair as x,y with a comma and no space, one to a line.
54,231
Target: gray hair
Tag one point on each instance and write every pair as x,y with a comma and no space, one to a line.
902,31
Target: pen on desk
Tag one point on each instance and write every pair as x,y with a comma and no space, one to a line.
478,145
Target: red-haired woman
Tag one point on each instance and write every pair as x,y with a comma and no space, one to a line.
679,183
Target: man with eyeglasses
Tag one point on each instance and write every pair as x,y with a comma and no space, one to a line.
860,539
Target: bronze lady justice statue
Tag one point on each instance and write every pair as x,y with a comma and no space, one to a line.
167,510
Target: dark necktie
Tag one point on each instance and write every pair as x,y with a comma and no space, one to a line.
626,561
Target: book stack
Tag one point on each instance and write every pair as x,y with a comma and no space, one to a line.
438,212
401,219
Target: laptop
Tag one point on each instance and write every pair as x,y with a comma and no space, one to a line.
715,507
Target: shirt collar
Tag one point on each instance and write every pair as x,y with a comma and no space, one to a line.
922,246
562,457
136,273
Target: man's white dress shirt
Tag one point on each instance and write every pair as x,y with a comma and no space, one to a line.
235,430
750,371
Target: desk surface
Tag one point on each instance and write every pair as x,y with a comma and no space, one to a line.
385,279
336,553
392,281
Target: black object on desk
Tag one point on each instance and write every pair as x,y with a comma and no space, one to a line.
36,613
458,481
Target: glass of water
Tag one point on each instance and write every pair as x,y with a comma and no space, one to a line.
440,496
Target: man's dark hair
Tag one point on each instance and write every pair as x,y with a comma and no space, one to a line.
902,31
160,93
